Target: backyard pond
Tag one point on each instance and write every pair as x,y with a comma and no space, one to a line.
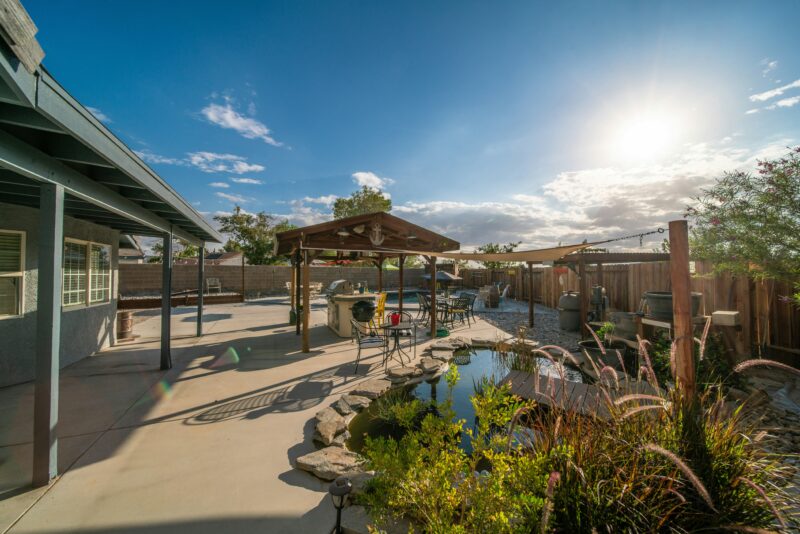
475,367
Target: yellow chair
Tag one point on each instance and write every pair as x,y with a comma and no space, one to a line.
380,309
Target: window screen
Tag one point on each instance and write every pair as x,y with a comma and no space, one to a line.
100,273
74,290
11,272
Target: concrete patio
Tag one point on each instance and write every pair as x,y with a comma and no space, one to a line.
204,447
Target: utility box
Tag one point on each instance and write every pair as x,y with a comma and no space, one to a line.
725,318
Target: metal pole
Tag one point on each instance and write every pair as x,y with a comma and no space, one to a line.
201,282
166,301
433,296
682,305
530,295
48,334
400,261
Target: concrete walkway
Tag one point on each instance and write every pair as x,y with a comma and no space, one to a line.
206,447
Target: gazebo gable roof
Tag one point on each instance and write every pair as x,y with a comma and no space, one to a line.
353,233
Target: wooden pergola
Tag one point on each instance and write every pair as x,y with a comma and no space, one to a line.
373,237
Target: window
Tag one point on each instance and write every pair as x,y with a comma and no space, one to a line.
86,273
99,273
12,267
74,282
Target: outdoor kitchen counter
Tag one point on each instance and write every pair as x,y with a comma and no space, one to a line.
340,311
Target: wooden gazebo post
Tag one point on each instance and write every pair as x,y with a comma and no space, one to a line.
584,294
297,259
306,300
379,265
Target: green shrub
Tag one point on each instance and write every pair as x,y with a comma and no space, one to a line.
654,463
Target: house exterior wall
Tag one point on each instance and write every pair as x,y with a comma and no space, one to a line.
84,329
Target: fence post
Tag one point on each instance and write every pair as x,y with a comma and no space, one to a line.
682,306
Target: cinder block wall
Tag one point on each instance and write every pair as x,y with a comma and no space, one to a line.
259,280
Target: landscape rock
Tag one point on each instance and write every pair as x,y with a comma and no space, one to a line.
429,365
444,355
331,462
328,430
398,375
348,403
360,481
373,388
328,414
341,439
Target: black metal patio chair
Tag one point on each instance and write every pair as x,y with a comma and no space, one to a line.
366,337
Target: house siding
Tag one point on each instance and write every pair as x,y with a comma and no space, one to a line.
84,329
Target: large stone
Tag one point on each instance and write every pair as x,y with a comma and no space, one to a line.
480,342
399,375
360,481
372,389
444,355
328,430
352,403
341,439
328,414
429,365
331,462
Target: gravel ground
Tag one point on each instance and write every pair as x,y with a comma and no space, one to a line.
545,330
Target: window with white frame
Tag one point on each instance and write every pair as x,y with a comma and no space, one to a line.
73,289
99,273
86,273
12,271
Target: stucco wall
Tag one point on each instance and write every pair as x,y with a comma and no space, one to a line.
84,330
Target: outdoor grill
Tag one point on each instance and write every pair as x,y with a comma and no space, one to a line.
339,287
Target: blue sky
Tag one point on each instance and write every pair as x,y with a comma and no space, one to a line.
496,121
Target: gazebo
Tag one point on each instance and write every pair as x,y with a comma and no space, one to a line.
373,236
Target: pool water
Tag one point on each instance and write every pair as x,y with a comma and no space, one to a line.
472,367
409,296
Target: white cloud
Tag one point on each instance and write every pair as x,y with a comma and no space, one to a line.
238,199
772,93
769,66
220,185
593,204
150,157
370,179
99,115
251,181
751,111
788,102
303,215
230,163
327,200
225,116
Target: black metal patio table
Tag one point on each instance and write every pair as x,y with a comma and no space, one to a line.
396,332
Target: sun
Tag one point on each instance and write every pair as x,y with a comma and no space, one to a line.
645,136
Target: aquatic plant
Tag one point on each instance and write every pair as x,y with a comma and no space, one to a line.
643,462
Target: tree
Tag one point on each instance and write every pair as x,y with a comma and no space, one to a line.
497,248
365,200
183,250
252,234
749,224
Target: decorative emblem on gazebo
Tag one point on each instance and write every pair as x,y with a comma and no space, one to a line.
376,236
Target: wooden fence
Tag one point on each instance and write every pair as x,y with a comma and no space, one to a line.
769,320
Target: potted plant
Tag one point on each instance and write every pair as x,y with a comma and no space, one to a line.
607,354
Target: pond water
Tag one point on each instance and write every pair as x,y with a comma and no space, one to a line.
472,367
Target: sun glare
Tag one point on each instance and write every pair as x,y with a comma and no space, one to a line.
645,136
